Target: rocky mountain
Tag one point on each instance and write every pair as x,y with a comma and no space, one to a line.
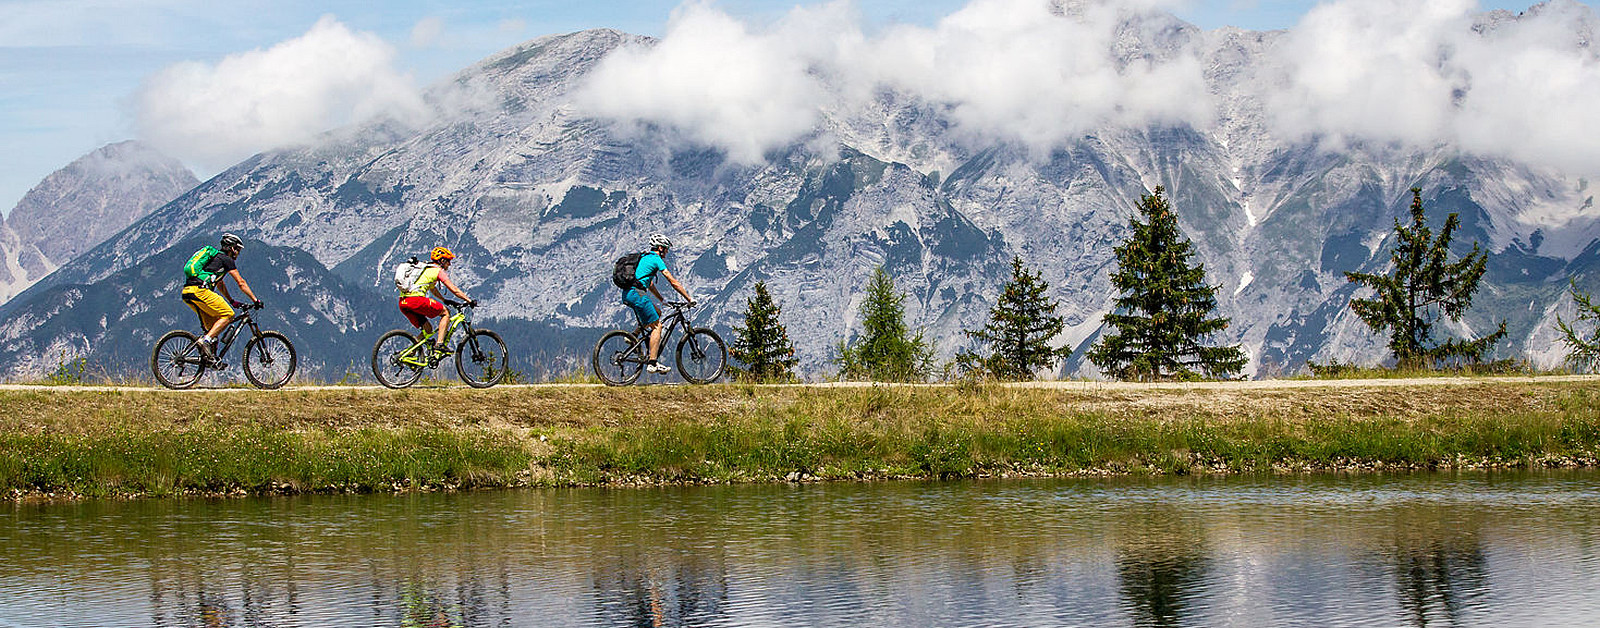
539,200
79,206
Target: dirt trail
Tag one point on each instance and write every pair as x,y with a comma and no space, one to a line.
1069,385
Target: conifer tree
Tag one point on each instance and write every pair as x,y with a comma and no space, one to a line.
1585,350
886,349
1422,287
1021,325
762,343
1165,307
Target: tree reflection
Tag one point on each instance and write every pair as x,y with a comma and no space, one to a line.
692,591
1161,567
1437,581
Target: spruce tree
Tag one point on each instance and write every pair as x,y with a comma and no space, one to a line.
762,343
1421,288
1165,306
1021,325
1585,350
886,349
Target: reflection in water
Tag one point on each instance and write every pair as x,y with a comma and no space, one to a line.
689,594
1440,570
1424,550
1161,567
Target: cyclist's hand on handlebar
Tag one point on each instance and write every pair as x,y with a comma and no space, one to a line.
258,304
692,302
472,303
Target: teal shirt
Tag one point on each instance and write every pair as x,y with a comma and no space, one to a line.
649,265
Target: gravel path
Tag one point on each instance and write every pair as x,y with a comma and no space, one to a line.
1067,385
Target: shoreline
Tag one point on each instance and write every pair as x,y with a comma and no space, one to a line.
91,442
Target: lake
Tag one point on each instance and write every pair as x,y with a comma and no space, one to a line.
1422,549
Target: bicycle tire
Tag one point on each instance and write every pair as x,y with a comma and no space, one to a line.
706,353
386,364
487,359
172,364
609,360
269,360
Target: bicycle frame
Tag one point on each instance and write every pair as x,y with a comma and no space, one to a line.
670,324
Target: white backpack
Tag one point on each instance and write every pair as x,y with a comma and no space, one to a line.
406,275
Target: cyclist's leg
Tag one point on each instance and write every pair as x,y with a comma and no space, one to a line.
649,319
214,312
421,311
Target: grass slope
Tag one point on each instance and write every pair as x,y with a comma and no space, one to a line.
146,443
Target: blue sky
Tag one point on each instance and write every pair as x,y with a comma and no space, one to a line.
70,69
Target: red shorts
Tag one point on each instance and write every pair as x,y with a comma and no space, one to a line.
419,309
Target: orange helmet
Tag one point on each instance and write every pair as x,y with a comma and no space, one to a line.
440,254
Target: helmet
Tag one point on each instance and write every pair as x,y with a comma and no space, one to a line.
440,254
660,241
230,241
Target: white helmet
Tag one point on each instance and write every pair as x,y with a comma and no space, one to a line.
660,241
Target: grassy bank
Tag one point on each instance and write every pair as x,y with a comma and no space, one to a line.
127,443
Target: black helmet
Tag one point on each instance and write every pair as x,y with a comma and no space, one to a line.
230,241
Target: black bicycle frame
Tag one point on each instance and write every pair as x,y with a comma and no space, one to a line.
670,323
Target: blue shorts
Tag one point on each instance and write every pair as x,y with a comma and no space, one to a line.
643,308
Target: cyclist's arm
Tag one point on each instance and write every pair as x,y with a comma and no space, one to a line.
242,286
445,279
675,285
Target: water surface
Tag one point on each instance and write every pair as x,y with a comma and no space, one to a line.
1468,549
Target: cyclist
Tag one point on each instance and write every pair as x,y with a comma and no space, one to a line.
205,272
651,264
416,305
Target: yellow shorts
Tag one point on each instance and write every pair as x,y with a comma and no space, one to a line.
209,305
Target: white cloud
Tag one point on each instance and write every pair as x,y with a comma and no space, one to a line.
1017,70
214,115
1420,73
713,78
1426,72
426,32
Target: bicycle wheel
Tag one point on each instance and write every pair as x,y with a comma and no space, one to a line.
176,360
618,358
701,356
392,359
269,360
481,359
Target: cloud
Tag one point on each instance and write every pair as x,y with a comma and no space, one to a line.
715,79
214,115
1028,71
426,32
1436,72
1041,73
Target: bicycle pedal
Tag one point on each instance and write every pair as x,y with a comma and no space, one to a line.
219,366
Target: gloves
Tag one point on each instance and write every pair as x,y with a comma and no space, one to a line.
472,303
692,302
258,304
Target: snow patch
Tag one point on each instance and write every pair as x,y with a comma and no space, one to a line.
1244,282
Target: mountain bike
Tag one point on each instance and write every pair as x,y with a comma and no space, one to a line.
620,356
269,357
400,356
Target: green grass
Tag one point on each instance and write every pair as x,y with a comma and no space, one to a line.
117,443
